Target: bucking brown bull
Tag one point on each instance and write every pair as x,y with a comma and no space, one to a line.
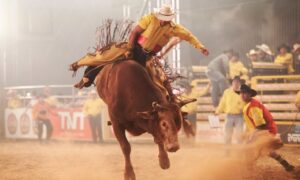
136,105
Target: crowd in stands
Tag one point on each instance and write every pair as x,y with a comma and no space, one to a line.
284,56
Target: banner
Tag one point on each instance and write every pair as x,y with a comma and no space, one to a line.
19,124
289,133
67,123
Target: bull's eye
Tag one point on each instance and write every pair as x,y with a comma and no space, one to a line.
163,125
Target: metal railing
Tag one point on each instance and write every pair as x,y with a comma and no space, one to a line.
66,94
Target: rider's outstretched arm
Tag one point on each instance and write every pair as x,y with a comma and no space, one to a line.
173,42
184,34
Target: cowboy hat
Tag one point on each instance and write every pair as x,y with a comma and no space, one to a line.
246,89
251,52
165,13
296,47
265,48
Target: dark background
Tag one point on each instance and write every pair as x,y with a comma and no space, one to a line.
39,38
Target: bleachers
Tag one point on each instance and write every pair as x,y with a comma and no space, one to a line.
278,93
267,68
278,87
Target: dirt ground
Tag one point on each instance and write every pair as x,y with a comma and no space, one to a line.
82,161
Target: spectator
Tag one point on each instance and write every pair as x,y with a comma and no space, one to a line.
258,118
232,105
33,99
14,100
217,71
79,99
191,92
40,113
285,58
50,99
296,50
92,110
264,53
297,102
253,57
237,68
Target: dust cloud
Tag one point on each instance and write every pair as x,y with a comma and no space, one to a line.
81,161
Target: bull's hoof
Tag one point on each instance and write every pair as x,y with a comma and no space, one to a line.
164,162
296,172
129,175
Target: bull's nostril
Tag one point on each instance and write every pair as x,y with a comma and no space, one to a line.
173,147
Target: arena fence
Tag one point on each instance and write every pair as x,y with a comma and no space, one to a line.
67,118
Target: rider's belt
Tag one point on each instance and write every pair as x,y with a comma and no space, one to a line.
142,40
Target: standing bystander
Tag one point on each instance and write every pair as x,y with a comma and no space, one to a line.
217,73
92,110
40,113
232,105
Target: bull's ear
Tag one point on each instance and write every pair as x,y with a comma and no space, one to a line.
185,102
145,115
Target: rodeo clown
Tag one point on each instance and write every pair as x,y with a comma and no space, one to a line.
259,120
147,38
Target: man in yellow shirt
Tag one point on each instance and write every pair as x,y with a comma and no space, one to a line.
92,110
155,30
152,33
14,100
285,58
297,101
192,92
232,105
237,68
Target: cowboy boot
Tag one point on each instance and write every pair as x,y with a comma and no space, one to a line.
287,166
73,67
82,83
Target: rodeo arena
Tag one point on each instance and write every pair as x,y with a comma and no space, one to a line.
150,89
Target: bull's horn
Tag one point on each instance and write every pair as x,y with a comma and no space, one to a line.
157,106
184,102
